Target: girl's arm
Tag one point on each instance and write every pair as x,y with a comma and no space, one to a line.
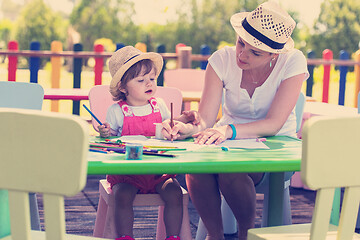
280,109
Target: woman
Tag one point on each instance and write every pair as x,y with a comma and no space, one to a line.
261,78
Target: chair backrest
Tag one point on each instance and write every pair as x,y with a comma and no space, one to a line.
41,152
185,79
330,159
299,110
358,103
100,99
21,95
17,95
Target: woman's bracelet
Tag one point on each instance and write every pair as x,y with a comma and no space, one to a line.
233,132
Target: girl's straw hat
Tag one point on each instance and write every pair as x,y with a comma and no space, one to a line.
267,28
127,56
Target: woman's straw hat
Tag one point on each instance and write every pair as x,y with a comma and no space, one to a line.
127,56
267,28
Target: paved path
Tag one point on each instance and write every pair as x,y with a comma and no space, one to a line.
81,211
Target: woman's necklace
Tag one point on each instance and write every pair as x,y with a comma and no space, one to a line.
253,80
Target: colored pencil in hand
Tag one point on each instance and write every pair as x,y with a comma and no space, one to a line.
171,120
92,114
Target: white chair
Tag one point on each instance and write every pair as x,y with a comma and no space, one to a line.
229,221
100,99
28,96
41,152
330,160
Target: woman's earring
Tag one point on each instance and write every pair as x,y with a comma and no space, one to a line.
271,62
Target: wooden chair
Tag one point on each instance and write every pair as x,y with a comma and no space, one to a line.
330,160
27,96
185,79
229,221
41,152
100,99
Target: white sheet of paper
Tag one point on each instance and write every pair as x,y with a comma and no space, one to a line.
250,143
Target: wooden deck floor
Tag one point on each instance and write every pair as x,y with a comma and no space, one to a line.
81,211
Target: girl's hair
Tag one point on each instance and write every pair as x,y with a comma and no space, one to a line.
144,66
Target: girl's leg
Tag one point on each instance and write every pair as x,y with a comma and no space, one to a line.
171,194
205,195
124,214
239,191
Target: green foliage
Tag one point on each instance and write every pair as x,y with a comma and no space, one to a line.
95,19
5,30
207,22
337,28
37,22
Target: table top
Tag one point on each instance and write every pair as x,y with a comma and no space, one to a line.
284,155
328,109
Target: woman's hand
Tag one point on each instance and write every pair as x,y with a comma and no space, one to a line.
179,131
192,117
104,130
211,135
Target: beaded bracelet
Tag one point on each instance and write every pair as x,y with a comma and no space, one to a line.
233,132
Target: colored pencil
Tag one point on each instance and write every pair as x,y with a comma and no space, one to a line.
92,114
98,150
159,154
172,119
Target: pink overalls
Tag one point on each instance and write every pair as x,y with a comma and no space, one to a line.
140,125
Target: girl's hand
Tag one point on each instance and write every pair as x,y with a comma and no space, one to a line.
192,117
179,131
104,130
211,135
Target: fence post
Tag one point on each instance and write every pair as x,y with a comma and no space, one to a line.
310,80
327,55
77,65
204,50
34,62
344,55
184,57
161,49
12,45
56,46
141,46
99,64
357,77
119,45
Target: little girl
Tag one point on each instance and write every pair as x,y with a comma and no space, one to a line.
133,84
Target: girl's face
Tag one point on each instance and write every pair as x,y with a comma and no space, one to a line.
249,57
141,88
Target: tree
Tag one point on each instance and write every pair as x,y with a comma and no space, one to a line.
95,19
337,28
6,27
37,22
198,23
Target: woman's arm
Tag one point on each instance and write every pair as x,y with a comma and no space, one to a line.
280,109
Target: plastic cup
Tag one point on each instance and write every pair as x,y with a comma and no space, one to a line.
158,129
133,151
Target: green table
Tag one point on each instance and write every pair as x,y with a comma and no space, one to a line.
284,155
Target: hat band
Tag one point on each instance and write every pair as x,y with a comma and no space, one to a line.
259,36
131,58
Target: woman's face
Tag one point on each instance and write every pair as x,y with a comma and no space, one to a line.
249,57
